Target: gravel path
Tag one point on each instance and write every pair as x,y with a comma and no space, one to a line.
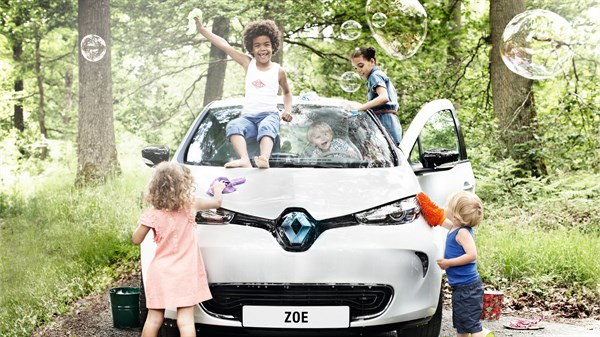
92,317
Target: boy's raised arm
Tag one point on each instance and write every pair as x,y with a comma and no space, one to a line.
222,44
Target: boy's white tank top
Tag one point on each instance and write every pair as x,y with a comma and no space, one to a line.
261,89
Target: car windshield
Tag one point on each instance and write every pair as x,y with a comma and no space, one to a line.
319,136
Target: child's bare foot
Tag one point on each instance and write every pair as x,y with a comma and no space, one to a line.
238,163
261,162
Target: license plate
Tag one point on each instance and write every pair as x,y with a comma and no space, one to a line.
308,317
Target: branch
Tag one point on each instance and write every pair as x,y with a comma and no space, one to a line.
160,77
175,110
480,43
317,52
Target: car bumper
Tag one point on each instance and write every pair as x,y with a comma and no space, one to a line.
359,256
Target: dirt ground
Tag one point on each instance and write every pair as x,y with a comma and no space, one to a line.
92,317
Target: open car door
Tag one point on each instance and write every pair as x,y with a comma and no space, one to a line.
435,148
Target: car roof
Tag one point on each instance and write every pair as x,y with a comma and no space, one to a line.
297,100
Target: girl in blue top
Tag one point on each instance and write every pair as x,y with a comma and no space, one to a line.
463,212
381,93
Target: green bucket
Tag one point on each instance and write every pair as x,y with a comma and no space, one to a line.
125,304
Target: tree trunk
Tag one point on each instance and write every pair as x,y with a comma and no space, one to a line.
455,9
96,151
513,99
41,114
215,77
68,97
18,118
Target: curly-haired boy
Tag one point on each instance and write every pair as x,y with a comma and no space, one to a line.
260,115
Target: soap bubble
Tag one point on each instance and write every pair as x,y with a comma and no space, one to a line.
536,44
379,20
404,28
350,81
351,30
93,47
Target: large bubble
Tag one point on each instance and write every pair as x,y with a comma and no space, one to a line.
351,30
93,47
398,26
536,44
350,81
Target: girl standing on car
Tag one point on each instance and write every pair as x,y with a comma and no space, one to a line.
381,94
176,277
260,115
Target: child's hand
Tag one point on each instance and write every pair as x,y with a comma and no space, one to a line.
199,25
352,106
443,263
218,187
286,116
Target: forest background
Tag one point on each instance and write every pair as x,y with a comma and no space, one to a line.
70,135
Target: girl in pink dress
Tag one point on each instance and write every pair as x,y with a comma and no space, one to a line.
176,277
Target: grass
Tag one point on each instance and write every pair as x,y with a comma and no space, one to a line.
541,237
58,243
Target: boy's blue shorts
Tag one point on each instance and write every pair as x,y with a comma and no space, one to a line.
467,305
254,127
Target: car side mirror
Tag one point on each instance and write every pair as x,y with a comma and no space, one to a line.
155,154
433,158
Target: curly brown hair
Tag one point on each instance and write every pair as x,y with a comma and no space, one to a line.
171,187
262,28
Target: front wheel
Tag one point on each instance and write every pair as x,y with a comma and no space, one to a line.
431,328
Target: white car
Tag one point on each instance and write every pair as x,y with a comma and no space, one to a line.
325,243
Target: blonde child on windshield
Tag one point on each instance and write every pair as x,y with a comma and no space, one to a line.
260,115
320,136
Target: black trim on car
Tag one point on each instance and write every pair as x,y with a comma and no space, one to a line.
366,301
169,328
274,226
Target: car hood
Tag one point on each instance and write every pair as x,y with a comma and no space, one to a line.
324,193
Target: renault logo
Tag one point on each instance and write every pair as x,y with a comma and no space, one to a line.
297,231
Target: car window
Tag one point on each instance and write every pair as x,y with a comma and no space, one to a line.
438,138
354,141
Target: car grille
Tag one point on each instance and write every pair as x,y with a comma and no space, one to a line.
365,301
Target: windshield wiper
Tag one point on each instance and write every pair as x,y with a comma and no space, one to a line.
306,163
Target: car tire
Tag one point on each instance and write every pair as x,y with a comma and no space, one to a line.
431,328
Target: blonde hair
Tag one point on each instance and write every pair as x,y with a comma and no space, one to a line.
171,187
466,207
318,127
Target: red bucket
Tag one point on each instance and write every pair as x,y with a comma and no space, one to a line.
492,305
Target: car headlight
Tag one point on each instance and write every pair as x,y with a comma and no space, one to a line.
397,213
214,217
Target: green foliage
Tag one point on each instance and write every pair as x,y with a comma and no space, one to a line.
59,243
540,234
